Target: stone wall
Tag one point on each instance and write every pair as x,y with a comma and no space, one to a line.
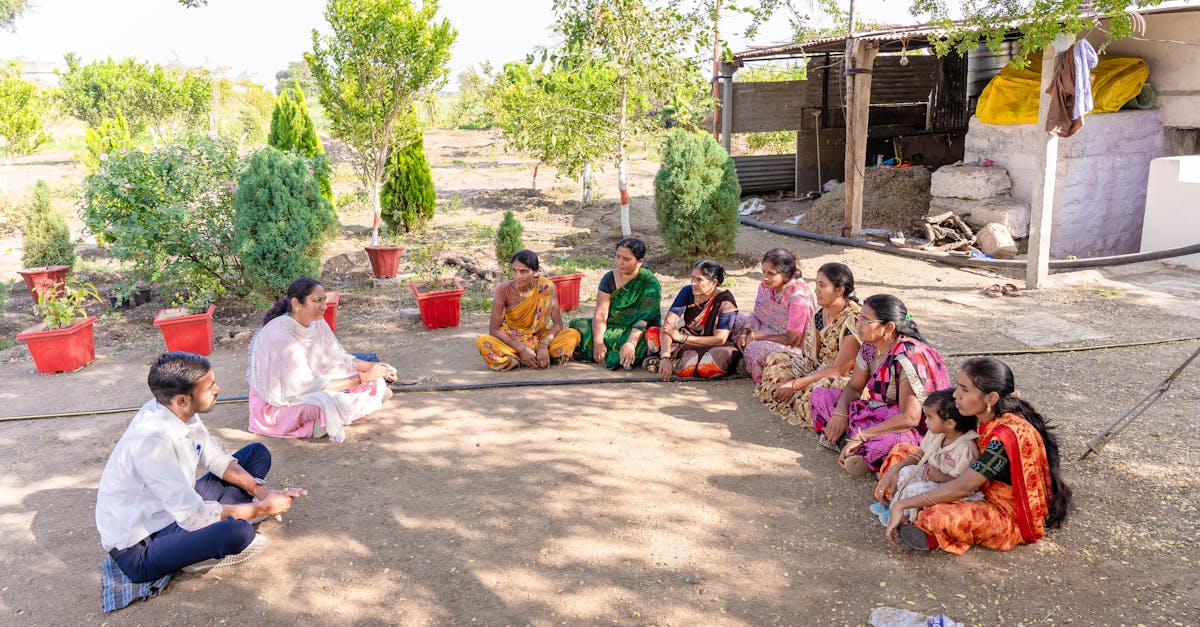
1101,176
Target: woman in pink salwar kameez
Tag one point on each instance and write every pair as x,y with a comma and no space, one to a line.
303,384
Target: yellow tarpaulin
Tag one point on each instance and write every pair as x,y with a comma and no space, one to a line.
1012,95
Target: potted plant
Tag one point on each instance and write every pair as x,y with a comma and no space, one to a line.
187,326
49,253
385,256
332,299
439,299
566,284
63,341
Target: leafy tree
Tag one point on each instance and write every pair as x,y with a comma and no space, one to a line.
382,55
281,220
47,238
296,74
22,109
696,195
292,130
164,100
508,240
653,49
244,109
169,212
10,10
408,196
475,93
111,137
561,116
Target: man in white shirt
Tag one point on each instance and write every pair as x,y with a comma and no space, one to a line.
153,515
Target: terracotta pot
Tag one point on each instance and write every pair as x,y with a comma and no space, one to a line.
331,306
567,287
440,307
385,260
61,350
56,275
190,334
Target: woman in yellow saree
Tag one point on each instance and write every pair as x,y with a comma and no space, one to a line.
526,328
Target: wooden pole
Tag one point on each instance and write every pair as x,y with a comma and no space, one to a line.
718,131
1041,219
858,92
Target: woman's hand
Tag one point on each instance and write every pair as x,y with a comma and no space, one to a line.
744,339
378,371
528,357
783,391
628,354
851,448
543,357
836,427
599,352
895,517
887,485
665,368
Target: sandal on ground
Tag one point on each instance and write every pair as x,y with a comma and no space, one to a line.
993,291
857,466
1010,290
824,441
916,539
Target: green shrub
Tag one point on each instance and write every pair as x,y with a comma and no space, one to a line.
281,221
508,240
696,196
47,238
170,213
292,130
111,137
408,199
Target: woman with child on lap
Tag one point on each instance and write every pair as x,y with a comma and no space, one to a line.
1017,470
782,310
897,369
627,303
830,345
526,328
694,340
302,382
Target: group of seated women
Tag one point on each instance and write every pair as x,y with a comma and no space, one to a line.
959,462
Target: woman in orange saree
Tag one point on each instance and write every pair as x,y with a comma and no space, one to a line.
526,328
1017,469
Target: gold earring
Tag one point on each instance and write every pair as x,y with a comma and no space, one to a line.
989,408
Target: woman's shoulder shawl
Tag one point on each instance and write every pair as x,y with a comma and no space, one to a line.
1029,470
925,359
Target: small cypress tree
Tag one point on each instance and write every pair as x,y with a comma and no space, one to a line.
408,198
696,195
292,130
281,221
508,240
47,238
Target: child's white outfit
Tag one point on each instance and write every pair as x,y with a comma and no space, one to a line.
952,459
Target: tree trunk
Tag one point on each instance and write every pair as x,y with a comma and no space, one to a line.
622,184
586,197
378,212
533,185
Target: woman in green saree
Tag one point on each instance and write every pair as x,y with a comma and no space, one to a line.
628,302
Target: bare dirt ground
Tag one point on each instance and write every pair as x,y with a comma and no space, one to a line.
626,503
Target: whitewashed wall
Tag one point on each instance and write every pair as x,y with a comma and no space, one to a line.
1172,207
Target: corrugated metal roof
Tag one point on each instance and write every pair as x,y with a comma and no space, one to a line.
892,38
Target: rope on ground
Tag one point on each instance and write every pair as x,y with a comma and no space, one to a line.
459,387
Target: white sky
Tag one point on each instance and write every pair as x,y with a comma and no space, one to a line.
260,37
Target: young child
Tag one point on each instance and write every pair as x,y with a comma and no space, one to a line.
947,450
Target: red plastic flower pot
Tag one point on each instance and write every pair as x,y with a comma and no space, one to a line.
385,260
56,275
440,308
61,350
190,334
567,287
331,307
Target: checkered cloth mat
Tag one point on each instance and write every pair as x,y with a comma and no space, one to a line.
117,591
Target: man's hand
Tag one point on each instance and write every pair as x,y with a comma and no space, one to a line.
280,501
